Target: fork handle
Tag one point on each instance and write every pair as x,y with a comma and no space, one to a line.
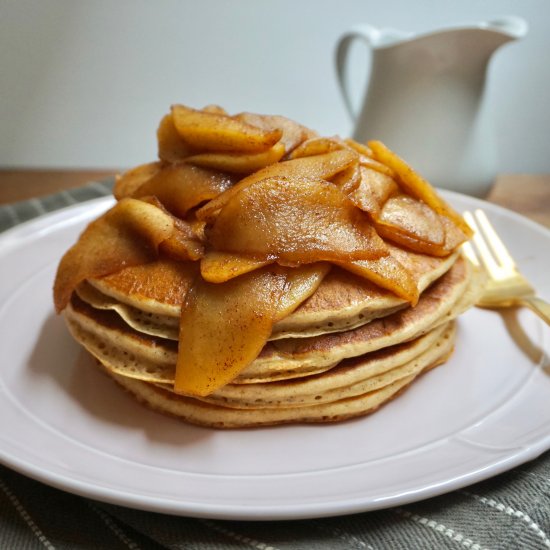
539,306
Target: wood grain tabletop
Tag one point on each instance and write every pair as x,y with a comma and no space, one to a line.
527,194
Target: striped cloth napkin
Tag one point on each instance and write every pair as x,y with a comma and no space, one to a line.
510,511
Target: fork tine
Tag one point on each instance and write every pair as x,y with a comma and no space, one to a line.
483,250
469,252
497,246
506,286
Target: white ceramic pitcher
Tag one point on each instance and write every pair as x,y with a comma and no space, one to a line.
425,98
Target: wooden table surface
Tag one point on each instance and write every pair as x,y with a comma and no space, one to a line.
527,194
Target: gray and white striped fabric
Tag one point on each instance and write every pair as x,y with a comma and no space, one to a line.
19,212
511,511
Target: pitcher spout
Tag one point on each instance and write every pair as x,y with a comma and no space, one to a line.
509,27
498,32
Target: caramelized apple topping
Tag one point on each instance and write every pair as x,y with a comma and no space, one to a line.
361,148
224,327
183,244
412,222
316,146
301,283
263,206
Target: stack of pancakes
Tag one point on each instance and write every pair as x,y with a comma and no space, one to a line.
347,349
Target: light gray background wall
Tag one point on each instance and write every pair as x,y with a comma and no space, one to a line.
84,83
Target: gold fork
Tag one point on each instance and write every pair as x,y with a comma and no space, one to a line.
506,286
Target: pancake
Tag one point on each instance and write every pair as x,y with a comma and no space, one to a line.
443,301
349,378
195,411
342,301
345,301
130,353
154,324
158,287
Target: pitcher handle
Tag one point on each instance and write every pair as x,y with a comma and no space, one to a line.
369,35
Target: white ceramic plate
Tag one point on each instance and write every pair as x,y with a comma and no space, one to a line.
68,425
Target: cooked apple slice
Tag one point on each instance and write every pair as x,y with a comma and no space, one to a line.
388,273
322,145
129,182
223,328
293,133
372,191
454,236
209,131
183,244
198,226
368,162
321,166
361,148
413,224
180,187
295,221
349,179
315,146
414,218
237,163
416,186
212,108
171,146
302,281
218,267
127,234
